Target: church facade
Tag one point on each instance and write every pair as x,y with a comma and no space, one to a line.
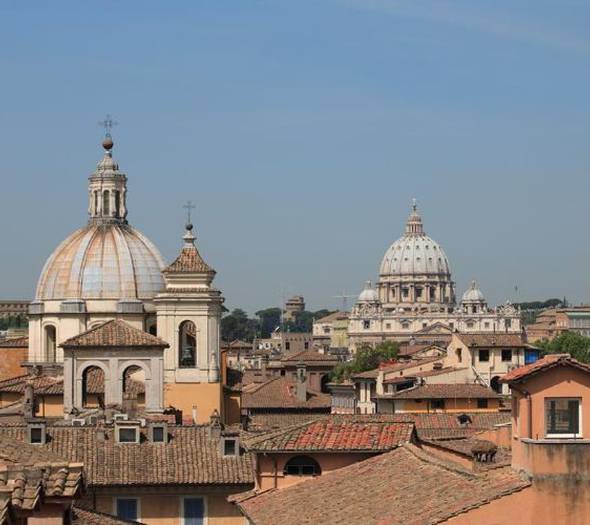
108,271
415,297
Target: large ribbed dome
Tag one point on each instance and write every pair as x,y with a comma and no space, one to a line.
415,252
103,261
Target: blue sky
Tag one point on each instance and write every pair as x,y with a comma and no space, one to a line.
302,130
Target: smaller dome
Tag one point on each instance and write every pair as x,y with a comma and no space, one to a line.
473,295
369,294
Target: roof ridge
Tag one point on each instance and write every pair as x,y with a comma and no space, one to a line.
451,467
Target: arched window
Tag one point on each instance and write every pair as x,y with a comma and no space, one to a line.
96,203
93,387
496,385
302,466
50,343
151,326
117,203
134,383
187,345
106,205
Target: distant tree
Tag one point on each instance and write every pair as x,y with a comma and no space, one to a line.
269,318
578,346
237,325
304,320
366,358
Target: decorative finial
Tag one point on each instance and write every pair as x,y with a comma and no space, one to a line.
473,284
414,205
188,207
368,285
108,123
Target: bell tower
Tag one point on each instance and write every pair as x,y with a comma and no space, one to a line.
188,318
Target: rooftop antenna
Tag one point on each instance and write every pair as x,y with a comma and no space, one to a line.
108,123
344,299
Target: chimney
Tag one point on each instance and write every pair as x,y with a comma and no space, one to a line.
301,384
263,364
215,425
29,401
129,406
194,414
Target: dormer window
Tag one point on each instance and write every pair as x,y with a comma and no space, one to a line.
230,446
127,433
37,433
158,433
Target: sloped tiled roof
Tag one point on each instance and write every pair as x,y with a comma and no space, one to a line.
16,342
93,517
447,391
190,457
493,339
401,487
335,434
280,392
114,333
396,367
335,316
267,421
549,361
189,261
309,356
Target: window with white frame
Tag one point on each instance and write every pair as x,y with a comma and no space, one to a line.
127,508
193,511
563,417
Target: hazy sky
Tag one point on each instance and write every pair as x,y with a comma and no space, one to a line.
302,130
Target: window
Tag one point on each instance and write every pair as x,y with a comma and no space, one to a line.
508,323
405,292
230,447
366,325
326,329
106,203
187,334
486,324
127,508
302,466
158,433
484,355
50,339
418,293
459,354
128,434
405,326
306,345
437,404
562,417
452,326
482,403
424,325
506,355
388,326
470,324
193,511
287,345
37,434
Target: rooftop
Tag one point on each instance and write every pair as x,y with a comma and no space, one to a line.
401,487
447,391
114,333
309,356
279,392
335,434
549,361
493,339
15,342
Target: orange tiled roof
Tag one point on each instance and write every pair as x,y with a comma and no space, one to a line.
549,361
114,333
309,356
189,261
93,517
336,434
447,391
492,339
403,487
279,392
191,457
17,342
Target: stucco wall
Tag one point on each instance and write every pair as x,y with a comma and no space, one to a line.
269,464
165,509
550,502
10,362
183,396
451,405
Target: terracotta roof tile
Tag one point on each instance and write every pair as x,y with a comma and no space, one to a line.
279,392
17,342
401,487
335,434
549,361
114,333
447,391
309,356
93,517
336,316
493,339
189,261
190,457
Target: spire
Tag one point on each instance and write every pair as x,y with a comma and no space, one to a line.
414,222
190,260
107,189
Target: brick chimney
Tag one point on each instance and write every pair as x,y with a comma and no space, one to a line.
29,401
301,383
215,426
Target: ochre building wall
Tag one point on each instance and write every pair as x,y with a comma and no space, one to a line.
206,397
10,362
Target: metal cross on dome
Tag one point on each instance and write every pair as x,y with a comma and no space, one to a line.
108,123
188,207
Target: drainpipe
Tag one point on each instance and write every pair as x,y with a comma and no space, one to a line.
276,481
527,394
